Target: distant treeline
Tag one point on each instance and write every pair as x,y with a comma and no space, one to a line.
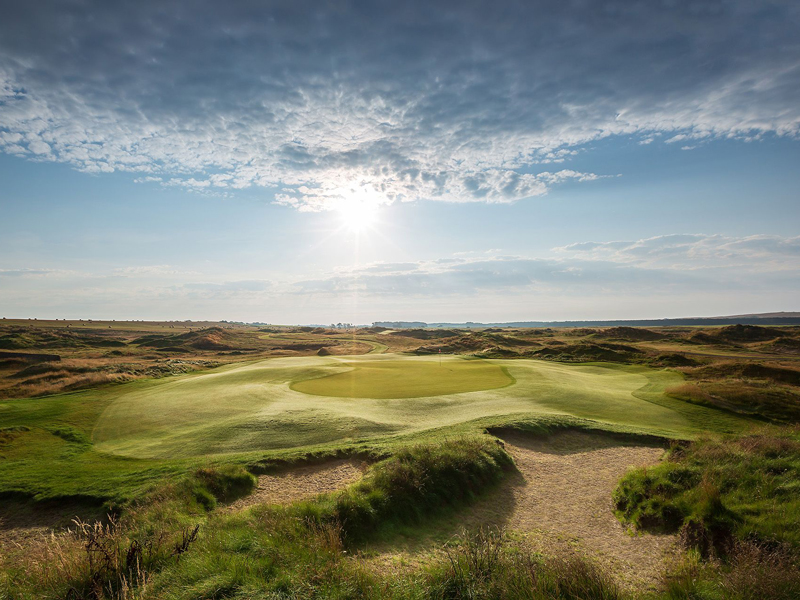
401,324
710,321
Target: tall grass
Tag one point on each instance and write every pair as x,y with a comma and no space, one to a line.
752,572
116,558
486,565
413,484
716,491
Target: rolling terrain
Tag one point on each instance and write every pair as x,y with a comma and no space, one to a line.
410,435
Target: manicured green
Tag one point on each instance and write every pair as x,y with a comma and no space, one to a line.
406,379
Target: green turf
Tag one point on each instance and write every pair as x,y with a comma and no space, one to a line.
113,442
406,379
253,407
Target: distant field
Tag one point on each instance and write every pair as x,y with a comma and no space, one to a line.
262,405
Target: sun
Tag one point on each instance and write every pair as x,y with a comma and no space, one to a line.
357,215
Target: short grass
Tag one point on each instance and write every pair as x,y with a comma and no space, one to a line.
259,406
115,442
407,379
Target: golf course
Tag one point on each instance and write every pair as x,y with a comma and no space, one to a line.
293,402
248,447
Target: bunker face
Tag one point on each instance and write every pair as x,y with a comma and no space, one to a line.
406,379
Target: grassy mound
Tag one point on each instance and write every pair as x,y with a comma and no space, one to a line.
414,484
783,346
586,352
769,392
404,379
167,546
211,338
748,333
425,334
717,491
630,334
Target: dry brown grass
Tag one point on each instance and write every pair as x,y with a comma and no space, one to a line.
62,381
96,560
757,572
775,401
752,572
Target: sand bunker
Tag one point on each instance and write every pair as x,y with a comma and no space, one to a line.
302,482
564,491
560,501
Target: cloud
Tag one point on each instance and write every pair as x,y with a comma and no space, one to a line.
671,275
229,287
27,272
400,102
695,251
152,271
684,263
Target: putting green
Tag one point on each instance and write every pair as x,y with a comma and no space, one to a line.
293,402
405,379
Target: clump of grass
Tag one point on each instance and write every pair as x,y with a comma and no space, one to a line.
720,490
116,558
97,561
486,565
752,572
414,483
209,485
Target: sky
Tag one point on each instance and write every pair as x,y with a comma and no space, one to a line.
330,161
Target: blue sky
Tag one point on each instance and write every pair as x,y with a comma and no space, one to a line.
350,161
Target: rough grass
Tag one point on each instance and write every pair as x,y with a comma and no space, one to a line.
720,490
412,485
752,572
767,391
47,378
116,557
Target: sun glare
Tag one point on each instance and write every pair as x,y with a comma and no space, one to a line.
358,215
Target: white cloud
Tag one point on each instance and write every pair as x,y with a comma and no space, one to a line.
760,253
321,101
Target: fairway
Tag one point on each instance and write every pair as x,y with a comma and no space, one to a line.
260,406
407,379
